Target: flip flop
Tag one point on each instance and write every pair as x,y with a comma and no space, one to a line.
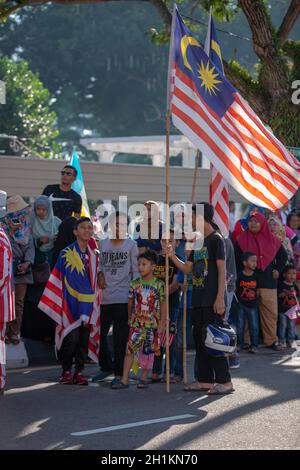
142,384
194,387
156,381
219,389
119,386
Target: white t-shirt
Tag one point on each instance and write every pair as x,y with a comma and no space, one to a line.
118,263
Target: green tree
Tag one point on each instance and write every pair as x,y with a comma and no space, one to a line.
268,88
26,114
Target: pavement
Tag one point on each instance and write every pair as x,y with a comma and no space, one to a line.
263,413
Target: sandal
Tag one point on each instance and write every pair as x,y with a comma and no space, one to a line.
142,384
157,380
220,389
194,387
119,385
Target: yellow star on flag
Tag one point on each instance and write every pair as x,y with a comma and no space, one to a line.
209,78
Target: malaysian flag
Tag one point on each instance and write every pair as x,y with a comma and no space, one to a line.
213,115
294,312
71,297
7,298
218,187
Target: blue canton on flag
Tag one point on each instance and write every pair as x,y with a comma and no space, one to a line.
207,77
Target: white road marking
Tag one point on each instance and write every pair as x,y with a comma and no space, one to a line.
132,425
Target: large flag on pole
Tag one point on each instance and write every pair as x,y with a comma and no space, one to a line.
218,187
78,184
213,115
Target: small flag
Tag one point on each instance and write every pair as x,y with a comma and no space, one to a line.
293,313
78,185
172,334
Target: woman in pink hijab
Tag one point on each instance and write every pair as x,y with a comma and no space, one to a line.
271,259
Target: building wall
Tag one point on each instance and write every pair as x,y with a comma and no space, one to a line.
28,177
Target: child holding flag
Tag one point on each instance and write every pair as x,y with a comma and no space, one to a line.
71,300
146,317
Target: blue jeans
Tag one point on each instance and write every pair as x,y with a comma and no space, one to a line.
286,328
252,315
158,360
178,371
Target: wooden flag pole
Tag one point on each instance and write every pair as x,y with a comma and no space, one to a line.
185,282
168,124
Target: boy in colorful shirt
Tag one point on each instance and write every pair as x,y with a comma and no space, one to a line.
146,318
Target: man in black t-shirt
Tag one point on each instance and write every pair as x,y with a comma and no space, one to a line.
208,300
65,201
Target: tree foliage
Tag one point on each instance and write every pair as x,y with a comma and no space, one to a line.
27,113
108,80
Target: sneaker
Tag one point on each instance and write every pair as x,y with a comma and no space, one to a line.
234,361
102,376
66,378
246,346
79,379
115,381
253,350
276,346
283,343
290,344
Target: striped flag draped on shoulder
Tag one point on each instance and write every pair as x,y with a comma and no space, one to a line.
213,115
71,297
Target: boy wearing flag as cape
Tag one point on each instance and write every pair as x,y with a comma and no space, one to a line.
71,299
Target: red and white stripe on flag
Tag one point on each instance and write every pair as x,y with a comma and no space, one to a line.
7,298
219,198
247,154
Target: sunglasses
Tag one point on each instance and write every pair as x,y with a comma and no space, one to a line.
66,173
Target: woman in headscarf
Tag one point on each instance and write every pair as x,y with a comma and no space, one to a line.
276,227
292,223
242,224
45,228
17,223
37,325
271,260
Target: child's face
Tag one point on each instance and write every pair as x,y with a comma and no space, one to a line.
172,242
290,276
251,262
84,231
41,212
145,267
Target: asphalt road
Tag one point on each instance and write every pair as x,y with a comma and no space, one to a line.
264,412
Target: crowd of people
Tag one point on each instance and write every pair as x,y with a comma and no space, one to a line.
58,281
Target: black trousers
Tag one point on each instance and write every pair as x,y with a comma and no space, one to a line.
116,315
208,369
75,345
